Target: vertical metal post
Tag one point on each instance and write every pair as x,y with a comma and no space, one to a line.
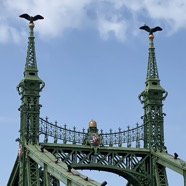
69,182
184,177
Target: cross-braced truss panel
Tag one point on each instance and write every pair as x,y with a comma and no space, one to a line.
132,165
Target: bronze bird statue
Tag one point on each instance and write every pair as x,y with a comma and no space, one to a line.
30,18
151,30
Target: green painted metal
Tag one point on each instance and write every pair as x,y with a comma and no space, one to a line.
184,177
167,160
52,163
46,176
27,171
160,175
131,163
58,170
29,88
14,176
152,98
132,137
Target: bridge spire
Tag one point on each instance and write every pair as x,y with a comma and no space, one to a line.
29,88
31,64
152,98
152,69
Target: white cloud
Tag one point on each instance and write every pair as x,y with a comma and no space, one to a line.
9,34
109,27
108,17
172,12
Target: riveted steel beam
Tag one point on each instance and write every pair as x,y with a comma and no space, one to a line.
59,170
170,162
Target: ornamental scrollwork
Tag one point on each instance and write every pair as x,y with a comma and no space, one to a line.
130,137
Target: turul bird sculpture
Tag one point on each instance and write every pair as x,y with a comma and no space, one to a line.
30,18
151,30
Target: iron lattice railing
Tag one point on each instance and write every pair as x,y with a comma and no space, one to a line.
130,137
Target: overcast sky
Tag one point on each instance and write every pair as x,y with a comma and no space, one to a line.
93,58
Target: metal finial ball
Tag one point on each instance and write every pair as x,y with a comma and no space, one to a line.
151,36
31,25
92,123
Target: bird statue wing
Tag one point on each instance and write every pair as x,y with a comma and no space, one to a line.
145,27
26,16
157,28
37,17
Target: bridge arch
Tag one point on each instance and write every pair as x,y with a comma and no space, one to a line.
128,175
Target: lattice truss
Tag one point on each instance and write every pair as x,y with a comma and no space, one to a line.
126,162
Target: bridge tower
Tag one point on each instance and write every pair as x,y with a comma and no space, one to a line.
152,98
153,118
29,88
33,166
137,154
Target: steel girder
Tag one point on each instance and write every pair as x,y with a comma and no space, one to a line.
138,165
177,165
134,164
55,171
78,156
43,170
14,176
160,175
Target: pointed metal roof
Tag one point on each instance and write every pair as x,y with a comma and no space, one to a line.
30,71
31,64
152,77
152,70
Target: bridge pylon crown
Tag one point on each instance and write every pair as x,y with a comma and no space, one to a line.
29,88
152,98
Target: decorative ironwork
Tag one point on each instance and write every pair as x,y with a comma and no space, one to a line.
152,98
39,165
119,138
152,71
126,162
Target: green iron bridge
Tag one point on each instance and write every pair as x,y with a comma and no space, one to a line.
50,154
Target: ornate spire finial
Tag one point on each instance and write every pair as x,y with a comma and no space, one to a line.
31,65
31,19
29,88
152,71
152,98
31,71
